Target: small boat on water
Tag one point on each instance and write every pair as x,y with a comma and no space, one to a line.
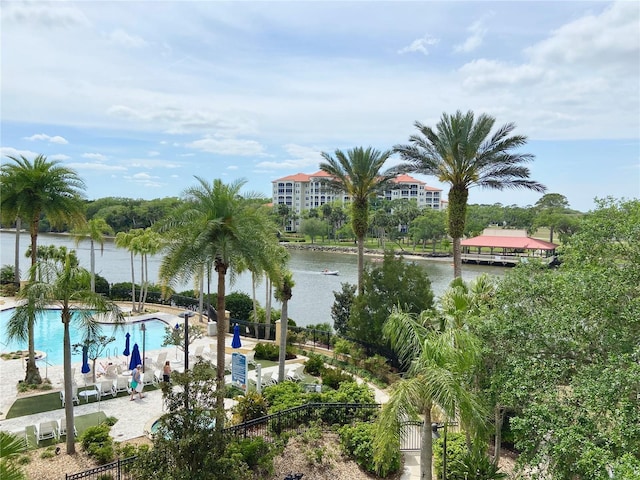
329,272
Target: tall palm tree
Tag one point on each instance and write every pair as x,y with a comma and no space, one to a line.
94,231
147,243
283,294
126,240
216,225
357,174
439,366
37,188
461,152
66,285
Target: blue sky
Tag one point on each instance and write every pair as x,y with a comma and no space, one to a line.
138,97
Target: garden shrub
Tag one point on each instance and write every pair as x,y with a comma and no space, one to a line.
98,444
267,351
332,377
314,365
350,392
256,453
250,406
283,396
357,442
456,449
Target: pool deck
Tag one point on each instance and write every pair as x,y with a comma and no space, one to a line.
134,418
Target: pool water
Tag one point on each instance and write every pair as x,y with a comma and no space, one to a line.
49,333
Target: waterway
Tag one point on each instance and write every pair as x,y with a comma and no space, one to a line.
312,294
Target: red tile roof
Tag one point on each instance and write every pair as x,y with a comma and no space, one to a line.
527,243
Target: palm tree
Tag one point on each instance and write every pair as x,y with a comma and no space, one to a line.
34,189
216,225
461,153
126,240
94,231
283,294
148,242
66,285
439,366
11,447
357,174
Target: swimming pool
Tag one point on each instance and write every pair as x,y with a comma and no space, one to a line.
49,332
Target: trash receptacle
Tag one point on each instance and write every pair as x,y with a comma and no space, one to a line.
212,329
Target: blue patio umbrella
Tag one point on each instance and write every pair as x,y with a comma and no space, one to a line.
136,359
85,360
235,343
126,352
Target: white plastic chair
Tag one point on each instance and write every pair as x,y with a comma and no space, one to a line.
295,373
121,384
106,388
62,427
197,354
251,357
160,360
45,430
74,395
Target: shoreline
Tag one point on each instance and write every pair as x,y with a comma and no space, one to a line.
367,251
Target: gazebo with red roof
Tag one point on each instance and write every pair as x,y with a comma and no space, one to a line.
506,247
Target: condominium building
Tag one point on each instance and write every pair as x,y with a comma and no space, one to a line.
302,192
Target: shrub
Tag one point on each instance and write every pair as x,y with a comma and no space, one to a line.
332,377
267,351
357,442
314,365
256,453
111,421
456,449
98,444
252,405
284,395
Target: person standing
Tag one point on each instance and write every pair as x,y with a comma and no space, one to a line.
166,372
136,383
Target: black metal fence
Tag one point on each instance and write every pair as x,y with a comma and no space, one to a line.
118,470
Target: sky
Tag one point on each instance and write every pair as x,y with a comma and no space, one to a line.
141,97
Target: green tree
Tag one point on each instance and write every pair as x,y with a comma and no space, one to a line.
430,225
283,293
550,210
148,242
216,225
314,227
68,286
94,231
126,240
357,174
461,153
30,190
341,308
95,348
390,284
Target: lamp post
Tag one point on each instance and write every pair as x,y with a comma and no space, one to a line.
186,314
143,328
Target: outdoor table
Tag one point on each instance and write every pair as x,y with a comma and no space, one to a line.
87,393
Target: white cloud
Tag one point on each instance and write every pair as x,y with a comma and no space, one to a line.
151,163
477,32
98,167
228,146
232,167
419,45
42,14
59,156
95,156
122,38
153,153
302,159
41,136
14,152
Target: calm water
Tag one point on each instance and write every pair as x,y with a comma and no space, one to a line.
312,294
49,333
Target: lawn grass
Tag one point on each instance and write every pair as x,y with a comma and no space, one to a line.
51,401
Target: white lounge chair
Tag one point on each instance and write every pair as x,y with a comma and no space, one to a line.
62,427
112,371
74,397
147,378
267,379
198,354
45,430
295,373
121,384
106,388
251,357
160,360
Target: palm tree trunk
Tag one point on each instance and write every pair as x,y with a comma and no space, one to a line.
16,273
497,445
220,347
284,321
457,212
68,386
267,308
32,375
360,265
93,267
133,285
426,453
